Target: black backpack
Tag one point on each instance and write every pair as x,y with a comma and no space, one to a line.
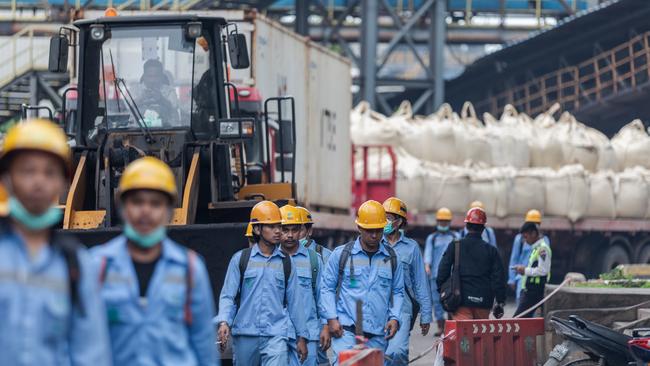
347,250
450,291
243,264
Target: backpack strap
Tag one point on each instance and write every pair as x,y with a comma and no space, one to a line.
243,264
319,249
393,267
286,266
69,251
103,271
313,261
345,254
189,286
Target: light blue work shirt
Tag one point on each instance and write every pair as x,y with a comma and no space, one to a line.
38,323
261,311
325,253
306,293
374,282
415,278
435,247
487,235
519,256
155,330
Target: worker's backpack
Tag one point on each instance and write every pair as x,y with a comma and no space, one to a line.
189,282
347,251
313,263
243,264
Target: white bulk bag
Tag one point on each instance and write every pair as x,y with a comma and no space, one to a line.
567,192
443,187
490,186
432,138
631,194
577,144
368,127
409,181
473,145
508,147
602,201
632,145
526,191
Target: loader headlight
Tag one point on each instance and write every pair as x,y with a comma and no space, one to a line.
235,128
97,32
193,30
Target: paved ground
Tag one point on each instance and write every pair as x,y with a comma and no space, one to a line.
420,343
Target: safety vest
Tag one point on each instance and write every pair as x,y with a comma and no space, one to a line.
534,261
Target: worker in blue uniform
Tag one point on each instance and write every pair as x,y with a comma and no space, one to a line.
365,270
417,297
50,313
308,267
306,230
157,293
488,234
434,248
520,254
260,298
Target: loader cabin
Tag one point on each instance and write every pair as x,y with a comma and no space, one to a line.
156,85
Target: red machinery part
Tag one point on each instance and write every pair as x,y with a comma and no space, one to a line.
368,357
378,185
510,342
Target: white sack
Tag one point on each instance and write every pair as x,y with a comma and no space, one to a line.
602,201
632,145
567,193
491,186
526,191
631,194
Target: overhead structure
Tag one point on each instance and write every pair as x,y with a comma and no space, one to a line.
595,64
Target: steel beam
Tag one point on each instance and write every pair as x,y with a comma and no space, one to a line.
302,17
436,52
370,10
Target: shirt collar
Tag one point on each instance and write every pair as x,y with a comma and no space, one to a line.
256,250
382,247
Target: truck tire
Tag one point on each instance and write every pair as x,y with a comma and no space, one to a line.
612,257
644,255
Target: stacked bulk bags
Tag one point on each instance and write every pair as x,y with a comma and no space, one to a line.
602,199
632,145
368,127
567,192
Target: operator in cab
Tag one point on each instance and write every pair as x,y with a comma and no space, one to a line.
156,97
157,293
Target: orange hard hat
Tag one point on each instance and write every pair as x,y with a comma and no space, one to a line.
371,215
266,212
476,215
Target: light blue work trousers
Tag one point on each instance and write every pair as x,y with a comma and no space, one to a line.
438,311
398,347
260,351
312,354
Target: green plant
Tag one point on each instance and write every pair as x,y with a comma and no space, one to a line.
615,274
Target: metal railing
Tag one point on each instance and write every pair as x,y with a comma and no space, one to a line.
623,67
25,51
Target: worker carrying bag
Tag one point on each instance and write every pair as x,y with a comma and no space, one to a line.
450,291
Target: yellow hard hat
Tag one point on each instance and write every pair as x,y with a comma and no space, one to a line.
38,135
305,215
395,206
266,212
291,215
444,214
148,173
371,215
249,231
534,216
478,204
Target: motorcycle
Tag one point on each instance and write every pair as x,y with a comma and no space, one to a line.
601,345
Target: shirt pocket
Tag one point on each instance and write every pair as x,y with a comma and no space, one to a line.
119,306
304,279
56,311
174,303
279,280
384,278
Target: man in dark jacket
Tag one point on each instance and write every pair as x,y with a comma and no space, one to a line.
482,276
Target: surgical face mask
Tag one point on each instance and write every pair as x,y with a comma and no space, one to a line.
389,228
442,228
304,242
45,220
145,240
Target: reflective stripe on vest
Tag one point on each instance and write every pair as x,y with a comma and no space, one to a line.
534,257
